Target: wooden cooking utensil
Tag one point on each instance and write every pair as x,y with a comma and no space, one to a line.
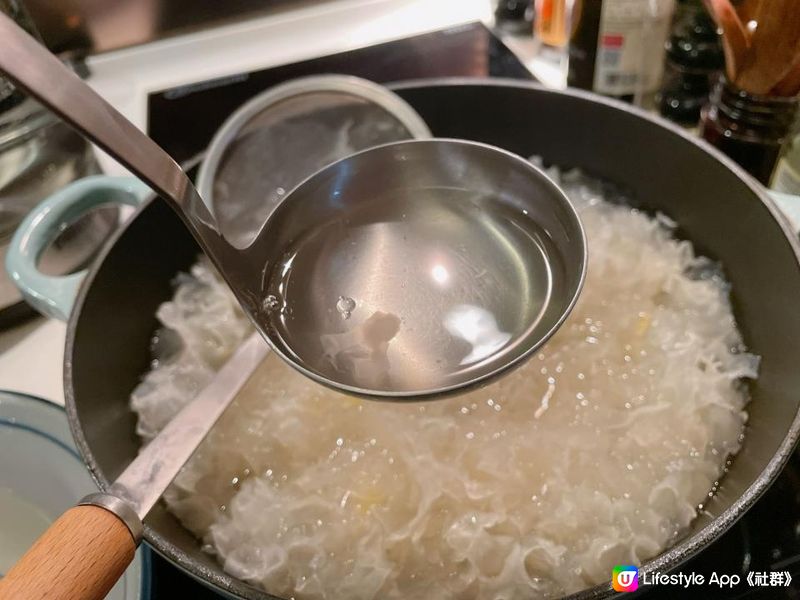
774,47
87,549
735,38
747,10
789,85
80,557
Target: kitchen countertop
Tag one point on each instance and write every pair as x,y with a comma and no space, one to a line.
31,358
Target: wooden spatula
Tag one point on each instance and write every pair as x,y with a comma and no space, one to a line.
774,47
735,37
789,85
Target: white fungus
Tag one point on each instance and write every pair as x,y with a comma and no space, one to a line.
595,453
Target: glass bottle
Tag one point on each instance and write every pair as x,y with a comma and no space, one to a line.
749,128
616,47
514,16
551,25
694,59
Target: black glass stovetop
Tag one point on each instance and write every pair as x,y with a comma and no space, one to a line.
183,120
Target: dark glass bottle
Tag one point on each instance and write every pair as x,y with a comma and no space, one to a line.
514,16
583,43
694,59
749,128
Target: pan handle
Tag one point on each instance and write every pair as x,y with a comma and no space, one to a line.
79,557
54,295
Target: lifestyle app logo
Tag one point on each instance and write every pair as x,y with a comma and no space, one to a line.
625,578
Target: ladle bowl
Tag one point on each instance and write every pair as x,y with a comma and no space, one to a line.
419,268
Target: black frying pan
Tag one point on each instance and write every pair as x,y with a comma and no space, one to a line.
719,208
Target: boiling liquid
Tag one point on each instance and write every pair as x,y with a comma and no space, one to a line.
408,292
594,453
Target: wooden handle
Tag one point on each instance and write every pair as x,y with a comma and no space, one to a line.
735,36
80,557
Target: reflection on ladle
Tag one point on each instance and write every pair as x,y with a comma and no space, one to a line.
362,352
478,327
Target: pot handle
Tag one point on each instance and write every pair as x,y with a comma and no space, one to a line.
80,557
54,295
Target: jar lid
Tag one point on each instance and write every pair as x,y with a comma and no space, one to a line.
287,133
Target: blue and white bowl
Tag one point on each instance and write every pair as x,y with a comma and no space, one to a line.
41,476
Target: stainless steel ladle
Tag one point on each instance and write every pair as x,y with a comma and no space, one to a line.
496,268
492,251
455,259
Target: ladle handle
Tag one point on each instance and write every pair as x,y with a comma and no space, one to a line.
80,557
34,69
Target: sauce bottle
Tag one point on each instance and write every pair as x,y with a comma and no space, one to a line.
750,128
617,47
694,59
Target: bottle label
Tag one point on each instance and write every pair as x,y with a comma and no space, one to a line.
630,46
